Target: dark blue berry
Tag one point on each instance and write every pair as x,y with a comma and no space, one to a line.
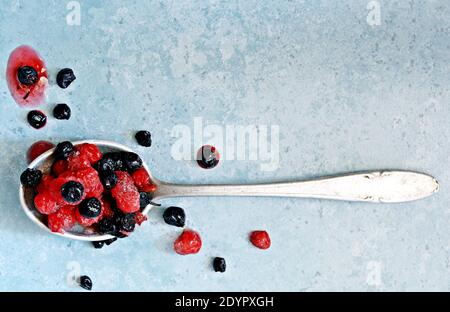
208,157
110,162
219,264
174,216
144,199
31,177
72,191
107,226
110,241
27,75
86,282
62,111
144,138
65,77
109,179
37,119
125,222
63,150
98,244
90,208
131,161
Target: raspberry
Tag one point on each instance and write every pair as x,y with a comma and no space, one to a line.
45,183
77,161
91,181
107,211
90,152
139,218
125,193
45,203
142,180
38,149
189,242
59,167
260,239
63,219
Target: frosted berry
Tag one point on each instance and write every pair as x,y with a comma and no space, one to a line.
189,242
72,191
260,239
31,177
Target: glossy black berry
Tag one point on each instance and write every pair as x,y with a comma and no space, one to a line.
31,177
27,75
110,162
131,161
98,244
144,199
174,216
90,208
63,150
37,119
208,157
219,264
72,191
109,179
110,241
107,226
144,138
62,112
86,282
125,222
65,77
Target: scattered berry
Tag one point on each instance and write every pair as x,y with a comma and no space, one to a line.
109,179
131,161
63,150
61,220
90,208
174,216
110,241
260,239
72,192
37,119
208,157
144,138
62,112
189,242
37,149
27,75
86,282
31,177
65,77
98,244
125,193
219,264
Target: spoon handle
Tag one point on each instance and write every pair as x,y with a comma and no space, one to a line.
388,186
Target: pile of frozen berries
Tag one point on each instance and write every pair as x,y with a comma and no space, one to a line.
102,192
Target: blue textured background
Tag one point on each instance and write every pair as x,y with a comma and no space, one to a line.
346,95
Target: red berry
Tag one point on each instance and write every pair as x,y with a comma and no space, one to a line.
93,186
142,180
140,218
107,212
125,193
77,161
63,219
189,242
38,149
45,203
87,221
59,167
90,152
45,183
260,239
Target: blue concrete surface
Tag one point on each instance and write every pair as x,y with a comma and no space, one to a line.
346,94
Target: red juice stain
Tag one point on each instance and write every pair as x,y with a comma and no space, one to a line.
26,95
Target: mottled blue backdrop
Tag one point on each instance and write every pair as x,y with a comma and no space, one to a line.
348,91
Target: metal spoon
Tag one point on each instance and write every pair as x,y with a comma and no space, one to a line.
386,186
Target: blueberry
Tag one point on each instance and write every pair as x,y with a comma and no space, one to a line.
63,150
86,282
144,138
144,199
31,177
219,264
65,77
131,161
90,208
125,222
174,216
109,179
27,75
62,111
107,226
72,191
208,157
37,119
110,162
98,244
110,241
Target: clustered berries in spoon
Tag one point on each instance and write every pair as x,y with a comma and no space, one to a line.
102,192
